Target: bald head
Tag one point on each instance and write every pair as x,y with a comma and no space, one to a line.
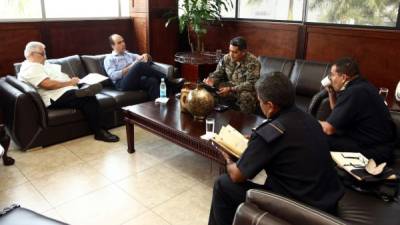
112,37
117,43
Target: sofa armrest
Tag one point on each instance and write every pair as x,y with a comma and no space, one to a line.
23,110
319,106
248,214
166,69
289,210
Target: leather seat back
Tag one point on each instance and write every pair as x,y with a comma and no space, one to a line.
273,64
306,76
94,63
70,65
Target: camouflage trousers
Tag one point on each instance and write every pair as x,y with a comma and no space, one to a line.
244,101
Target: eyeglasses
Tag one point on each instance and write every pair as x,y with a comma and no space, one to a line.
41,53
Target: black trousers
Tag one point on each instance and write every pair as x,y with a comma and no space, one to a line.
88,105
227,196
142,77
380,153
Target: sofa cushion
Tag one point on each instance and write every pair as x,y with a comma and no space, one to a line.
106,102
302,102
125,98
358,208
94,63
306,76
273,64
57,117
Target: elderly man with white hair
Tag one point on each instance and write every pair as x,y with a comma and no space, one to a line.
58,90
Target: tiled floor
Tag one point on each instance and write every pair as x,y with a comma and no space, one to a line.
85,182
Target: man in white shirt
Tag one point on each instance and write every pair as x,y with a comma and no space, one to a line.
58,90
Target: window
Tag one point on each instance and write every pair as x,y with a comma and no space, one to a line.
81,8
366,12
20,9
230,13
271,9
56,9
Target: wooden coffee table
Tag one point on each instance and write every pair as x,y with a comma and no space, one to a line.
167,121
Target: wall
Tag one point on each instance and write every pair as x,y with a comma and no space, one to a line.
149,27
377,51
274,39
61,38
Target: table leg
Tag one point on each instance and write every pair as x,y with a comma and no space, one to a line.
130,136
5,142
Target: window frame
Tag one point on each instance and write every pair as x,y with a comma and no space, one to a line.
44,18
304,22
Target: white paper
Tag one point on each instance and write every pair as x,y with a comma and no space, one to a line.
1,150
93,78
162,100
207,136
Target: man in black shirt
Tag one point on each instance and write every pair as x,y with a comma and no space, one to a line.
290,146
360,121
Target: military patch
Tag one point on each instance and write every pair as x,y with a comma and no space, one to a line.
271,131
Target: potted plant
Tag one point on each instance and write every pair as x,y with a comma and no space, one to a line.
196,14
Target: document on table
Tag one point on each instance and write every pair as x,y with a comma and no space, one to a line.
93,78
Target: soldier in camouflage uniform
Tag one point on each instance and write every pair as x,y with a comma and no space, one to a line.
235,76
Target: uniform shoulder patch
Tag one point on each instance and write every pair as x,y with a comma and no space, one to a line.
271,131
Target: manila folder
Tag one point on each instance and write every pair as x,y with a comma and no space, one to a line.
231,140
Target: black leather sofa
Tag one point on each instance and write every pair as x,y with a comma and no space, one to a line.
305,75
31,124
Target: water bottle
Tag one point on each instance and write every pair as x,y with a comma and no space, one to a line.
163,89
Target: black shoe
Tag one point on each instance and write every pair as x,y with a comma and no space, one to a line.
103,135
89,90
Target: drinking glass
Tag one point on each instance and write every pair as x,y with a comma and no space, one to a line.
384,93
210,124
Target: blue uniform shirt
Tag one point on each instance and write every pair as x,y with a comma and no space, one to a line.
361,114
293,151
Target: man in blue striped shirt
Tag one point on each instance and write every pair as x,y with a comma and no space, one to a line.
129,71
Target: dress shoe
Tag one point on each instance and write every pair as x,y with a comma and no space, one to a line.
89,90
104,135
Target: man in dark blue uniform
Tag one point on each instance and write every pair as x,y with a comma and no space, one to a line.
290,147
360,121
